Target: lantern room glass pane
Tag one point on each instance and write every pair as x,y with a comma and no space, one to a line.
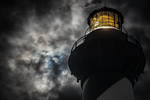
116,21
104,19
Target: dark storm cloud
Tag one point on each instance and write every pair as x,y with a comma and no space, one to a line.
35,41
70,93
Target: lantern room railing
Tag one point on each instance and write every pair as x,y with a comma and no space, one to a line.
78,42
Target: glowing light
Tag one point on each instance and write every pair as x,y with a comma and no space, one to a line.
105,27
105,20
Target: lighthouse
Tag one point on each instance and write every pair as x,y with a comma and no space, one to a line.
106,60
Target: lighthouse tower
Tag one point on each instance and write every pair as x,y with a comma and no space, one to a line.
106,60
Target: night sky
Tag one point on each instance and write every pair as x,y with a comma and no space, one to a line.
36,37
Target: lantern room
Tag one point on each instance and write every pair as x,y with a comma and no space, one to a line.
105,18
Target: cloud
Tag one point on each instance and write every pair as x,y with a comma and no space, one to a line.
37,49
35,40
